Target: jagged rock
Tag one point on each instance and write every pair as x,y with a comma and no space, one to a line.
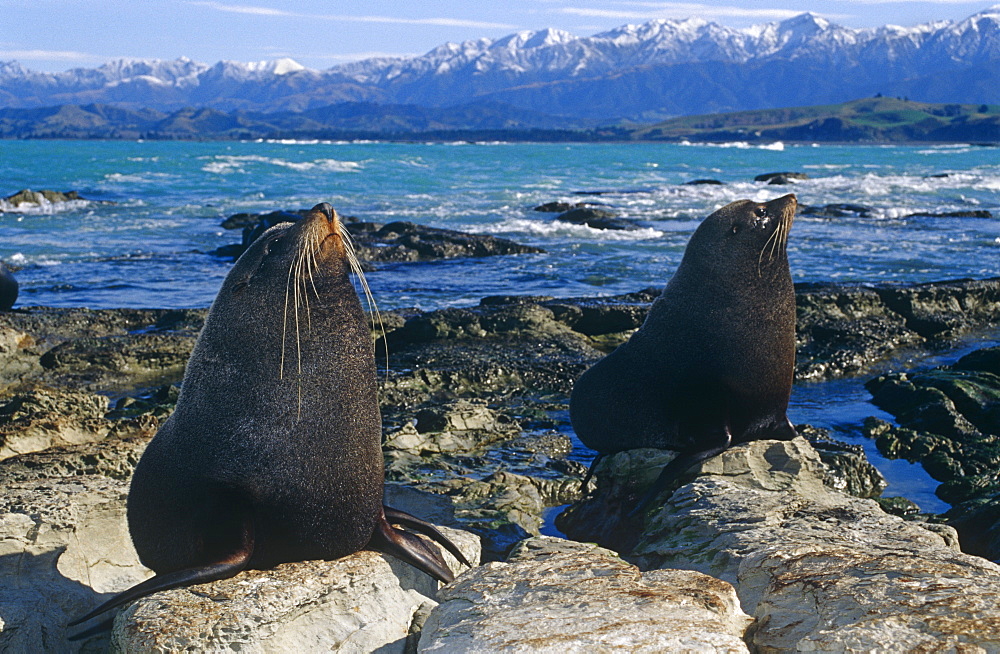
46,417
392,242
459,426
364,602
836,210
847,468
819,570
558,596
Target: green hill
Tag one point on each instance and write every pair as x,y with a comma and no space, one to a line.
881,120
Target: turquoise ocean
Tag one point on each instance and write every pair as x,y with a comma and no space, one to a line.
149,245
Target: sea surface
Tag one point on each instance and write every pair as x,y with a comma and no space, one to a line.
154,212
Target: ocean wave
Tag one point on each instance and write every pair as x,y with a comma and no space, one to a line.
561,229
45,208
777,146
226,164
20,260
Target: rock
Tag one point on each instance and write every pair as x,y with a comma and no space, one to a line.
971,213
780,178
561,207
361,603
836,210
558,596
459,426
43,418
843,330
64,547
703,182
41,198
393,242
817,569
945,310
847,468
595,218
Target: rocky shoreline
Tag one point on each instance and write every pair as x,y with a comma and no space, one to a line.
476,439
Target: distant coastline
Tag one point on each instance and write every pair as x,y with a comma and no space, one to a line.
870,120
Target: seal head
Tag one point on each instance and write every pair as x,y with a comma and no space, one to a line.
712,364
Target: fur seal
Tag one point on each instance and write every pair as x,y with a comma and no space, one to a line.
8,288
273,453
712,364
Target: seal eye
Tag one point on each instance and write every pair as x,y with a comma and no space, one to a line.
761,211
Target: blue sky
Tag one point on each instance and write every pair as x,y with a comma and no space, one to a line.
50,35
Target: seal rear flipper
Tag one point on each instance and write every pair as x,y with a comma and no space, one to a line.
590,472
222,569
680,465
411,549
427,529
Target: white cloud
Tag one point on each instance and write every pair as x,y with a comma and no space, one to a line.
346,18
650,10
48,55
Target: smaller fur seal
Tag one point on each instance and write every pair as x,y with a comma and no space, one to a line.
273,453
8,289
712,364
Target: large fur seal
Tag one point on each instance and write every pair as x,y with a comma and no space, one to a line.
273,453
8,289
712,364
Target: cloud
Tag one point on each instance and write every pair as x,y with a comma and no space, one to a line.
347,18
47,55
651,10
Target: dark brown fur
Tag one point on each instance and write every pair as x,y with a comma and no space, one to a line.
712,364
273,453
8,289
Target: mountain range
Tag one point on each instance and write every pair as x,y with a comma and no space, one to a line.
644,72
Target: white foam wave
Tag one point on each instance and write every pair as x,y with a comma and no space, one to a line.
20,260
44,208
554,228
740,145
225,164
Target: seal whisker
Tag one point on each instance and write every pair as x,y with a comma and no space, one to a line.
284,324
760,259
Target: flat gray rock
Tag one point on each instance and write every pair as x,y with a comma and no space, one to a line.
559,596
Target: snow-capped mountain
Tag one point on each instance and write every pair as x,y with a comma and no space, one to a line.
658,68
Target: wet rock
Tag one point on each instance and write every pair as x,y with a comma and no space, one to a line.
393,242
971,213
818,570
561,207
703,182
780,178
943,310
553,595
836,210
42,198
595,218
364,602
842,330
847,468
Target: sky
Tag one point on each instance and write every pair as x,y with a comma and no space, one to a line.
51,35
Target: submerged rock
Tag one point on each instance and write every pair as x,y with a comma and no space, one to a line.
595,218
557,596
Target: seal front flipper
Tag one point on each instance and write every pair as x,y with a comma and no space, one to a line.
427,529
681,464
410,548
223,569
